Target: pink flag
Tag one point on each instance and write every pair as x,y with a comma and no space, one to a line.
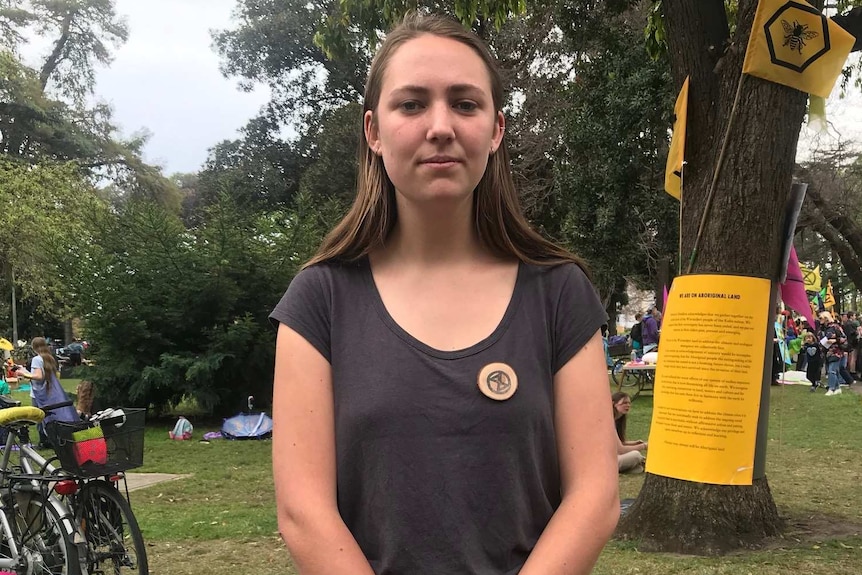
793,289
664,300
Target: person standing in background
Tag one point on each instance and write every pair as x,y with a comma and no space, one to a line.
649,331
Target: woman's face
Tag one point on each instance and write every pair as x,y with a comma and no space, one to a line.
435,124
623,405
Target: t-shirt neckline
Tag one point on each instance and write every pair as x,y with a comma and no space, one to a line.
409,339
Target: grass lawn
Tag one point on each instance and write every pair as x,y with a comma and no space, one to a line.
221,520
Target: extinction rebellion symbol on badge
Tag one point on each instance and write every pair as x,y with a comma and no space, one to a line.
797,35
498,381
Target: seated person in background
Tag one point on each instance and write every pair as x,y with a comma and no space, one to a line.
85,392
630,457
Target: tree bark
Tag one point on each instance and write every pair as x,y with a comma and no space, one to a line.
742,236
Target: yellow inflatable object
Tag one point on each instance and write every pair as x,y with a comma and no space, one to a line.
29,414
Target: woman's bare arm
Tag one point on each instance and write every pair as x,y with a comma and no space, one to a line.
587,445
303,462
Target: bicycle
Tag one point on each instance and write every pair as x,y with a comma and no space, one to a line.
109,537
38,531
97,456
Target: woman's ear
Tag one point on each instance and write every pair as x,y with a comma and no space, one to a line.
372,133
499,131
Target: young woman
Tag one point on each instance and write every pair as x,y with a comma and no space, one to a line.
441,395
45,388
630,457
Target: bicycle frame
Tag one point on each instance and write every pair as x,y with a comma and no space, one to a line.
28,457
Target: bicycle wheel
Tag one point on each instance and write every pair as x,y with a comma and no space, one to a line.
627,379
115,545
45,547
617,371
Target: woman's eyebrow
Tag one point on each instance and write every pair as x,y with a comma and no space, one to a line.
457,89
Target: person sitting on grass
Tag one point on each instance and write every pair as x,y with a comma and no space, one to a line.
630,457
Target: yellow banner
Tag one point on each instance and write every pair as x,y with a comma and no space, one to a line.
676,153
811,277
794,44
708,379
829,300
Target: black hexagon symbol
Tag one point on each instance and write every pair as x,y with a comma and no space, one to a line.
796,32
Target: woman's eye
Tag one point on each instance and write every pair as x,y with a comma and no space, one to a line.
410,106
466,106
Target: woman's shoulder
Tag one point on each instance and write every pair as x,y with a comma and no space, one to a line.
334,269
557,274
316,287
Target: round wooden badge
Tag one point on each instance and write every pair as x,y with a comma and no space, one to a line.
498,381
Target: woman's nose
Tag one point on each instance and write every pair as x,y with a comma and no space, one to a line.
440,122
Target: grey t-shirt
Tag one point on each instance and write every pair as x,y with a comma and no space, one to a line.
433,476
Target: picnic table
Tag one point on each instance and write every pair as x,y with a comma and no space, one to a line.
638,375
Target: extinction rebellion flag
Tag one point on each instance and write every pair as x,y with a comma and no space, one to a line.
676,154
794,44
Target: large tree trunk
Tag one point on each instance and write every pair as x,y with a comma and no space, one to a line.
742,236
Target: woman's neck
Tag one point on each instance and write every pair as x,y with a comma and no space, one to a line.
434,234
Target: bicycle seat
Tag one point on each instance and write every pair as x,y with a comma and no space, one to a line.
27,414
8,401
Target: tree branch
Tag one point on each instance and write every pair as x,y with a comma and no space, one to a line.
56,54
849,258
852,22
103,163
849,229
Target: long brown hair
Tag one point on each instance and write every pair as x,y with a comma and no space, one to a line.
620,422
49,364
500,223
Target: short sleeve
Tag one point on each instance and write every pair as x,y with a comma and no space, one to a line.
37,362
305,308
579,316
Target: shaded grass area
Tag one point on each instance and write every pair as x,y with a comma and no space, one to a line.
222,518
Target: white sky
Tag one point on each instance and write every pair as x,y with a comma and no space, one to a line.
165,79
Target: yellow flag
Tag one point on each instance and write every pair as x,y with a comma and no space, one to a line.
829,301
794,44
676,153
811,277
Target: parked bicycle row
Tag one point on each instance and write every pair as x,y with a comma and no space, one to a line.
69,513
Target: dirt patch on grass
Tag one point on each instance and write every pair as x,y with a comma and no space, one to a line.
815,528
220,557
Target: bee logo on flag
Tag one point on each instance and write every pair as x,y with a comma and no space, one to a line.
796,34
792,28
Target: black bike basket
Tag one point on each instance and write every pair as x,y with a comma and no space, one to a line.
102,447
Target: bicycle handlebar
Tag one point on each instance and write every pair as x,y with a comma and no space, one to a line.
54,406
